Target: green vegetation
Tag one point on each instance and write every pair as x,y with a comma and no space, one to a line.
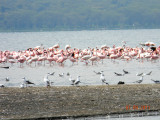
78,14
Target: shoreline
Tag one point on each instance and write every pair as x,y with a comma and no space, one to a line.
81,101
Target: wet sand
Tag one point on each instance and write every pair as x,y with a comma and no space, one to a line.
71,101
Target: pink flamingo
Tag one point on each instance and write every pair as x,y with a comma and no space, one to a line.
61,59
34,59
12,61
102,56
72,59
51,59
113,56
21,60
154,57
93,58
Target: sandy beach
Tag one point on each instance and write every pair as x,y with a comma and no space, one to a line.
77,101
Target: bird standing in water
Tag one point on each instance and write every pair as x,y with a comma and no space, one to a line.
47,81
102,78
27,82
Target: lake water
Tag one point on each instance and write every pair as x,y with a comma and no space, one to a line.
127,116
80,39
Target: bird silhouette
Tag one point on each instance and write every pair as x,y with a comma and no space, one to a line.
68,74
97,72
149,73
121,82
125,72
7,79
2,85
51,73
118,74
139,74
6,67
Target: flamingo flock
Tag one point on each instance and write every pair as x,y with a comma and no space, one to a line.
55,55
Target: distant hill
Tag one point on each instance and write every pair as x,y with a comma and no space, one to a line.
78,14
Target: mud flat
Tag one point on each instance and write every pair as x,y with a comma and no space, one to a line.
71,101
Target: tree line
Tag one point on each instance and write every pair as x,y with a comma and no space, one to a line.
78,14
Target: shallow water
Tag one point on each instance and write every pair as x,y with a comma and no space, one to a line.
79,39
129,116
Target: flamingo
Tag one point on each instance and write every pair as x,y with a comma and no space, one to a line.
50,59
61,59
73,60
42,58
56,46
154,57
67,47
34,59
21,60
113,56
12,61
101,56
93,58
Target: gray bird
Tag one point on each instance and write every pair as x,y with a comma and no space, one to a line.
118,74
140,80
47,81
6,67
139,74
77,81
98,73
68,74
149,73
156,81
61,75
102,78
2,85
27,82
7,79
51,73
121,82
72,80
125,72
